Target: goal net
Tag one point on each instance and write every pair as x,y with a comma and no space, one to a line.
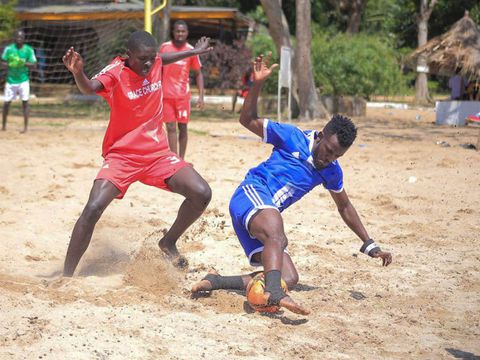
98,31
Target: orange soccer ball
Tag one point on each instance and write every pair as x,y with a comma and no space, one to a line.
256,291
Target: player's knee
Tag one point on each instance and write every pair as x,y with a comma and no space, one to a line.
93,211
171,128
283,241
182,133
278,240
206,195
202,195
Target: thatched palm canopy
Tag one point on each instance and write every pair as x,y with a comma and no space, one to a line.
457,48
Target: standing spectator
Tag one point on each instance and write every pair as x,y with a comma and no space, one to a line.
19,59
247,82
457,84
176,99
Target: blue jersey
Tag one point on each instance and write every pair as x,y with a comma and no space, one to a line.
289,173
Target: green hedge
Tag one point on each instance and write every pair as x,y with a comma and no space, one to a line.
263,44
8,23
359,65
356,65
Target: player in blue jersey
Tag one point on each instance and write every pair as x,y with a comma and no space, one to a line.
300,161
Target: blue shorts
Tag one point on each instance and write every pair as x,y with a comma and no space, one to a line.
247,200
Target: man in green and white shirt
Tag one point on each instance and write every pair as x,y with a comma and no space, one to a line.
19,59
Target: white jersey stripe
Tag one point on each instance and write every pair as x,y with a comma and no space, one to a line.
265,124
255,194
250,197
311,140
336,191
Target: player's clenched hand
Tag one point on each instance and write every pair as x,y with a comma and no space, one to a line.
385,256
200,103
203,45
73,61
260,67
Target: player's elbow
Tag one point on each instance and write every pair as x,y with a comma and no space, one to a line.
91,87
244,120
247,119
87,91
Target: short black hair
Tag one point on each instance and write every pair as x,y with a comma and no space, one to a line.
180,22
140,38
343,127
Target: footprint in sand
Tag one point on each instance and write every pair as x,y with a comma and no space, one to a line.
466,211
388,204
87,165
33,258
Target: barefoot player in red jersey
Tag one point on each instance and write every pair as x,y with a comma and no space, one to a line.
135,147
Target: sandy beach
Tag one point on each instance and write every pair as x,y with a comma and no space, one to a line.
418,198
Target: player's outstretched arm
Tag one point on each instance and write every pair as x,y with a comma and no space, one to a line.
201,89
249,117
74,63
201,47
351,218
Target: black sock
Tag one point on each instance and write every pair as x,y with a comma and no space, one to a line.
273,285
225,282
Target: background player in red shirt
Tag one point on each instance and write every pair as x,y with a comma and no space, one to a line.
135,147
176,88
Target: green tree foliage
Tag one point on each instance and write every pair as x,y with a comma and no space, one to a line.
356,65
263,44
243,5
380,17
393,21
8,23
397,18
447,12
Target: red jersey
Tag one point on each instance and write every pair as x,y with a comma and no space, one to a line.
176,82
136,106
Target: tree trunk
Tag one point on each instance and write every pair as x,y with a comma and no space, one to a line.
355,16
421,83
277,23
280,33
309,104
163,27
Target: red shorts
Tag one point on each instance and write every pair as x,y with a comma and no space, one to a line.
176,110
123,170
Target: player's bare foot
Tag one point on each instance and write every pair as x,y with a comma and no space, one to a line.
203,285
291,305
23,131
171,253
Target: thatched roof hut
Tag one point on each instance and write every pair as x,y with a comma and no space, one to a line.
457,48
